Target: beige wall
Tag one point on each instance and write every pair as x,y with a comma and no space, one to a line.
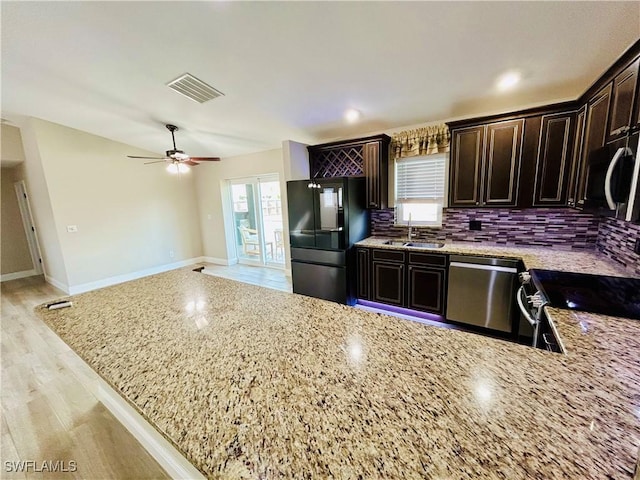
217,231
129,216
41,209
14,248
11,146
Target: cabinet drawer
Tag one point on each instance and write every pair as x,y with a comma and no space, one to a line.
430,259
388,255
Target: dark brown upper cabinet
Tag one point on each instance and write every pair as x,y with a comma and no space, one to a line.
376,171
485,164
494,163
576,156
622,101
368,157
554,158
595,133
467,152
504,145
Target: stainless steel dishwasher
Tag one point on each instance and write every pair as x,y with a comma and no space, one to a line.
481,292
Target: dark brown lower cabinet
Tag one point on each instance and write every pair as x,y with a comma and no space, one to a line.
363,276
426,289
388,282
427,278
412,280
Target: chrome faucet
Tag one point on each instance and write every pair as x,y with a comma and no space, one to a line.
410,234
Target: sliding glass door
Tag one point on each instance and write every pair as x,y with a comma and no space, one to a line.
257,219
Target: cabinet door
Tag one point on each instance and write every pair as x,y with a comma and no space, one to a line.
552,170
595,134
622,98
426,289
576,162
467,150
376,172
388,282
362,279
502,158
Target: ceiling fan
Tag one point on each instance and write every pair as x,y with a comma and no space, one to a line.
177,158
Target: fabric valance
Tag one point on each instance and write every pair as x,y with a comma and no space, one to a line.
421,141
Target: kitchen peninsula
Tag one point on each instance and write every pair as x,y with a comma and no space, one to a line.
249,382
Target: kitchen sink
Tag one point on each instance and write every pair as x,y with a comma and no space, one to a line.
404,243
424,245
396,243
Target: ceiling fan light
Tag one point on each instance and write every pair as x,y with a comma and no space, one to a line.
177,168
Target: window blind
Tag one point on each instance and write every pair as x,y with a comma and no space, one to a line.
420,178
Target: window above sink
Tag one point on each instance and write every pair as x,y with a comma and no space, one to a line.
420,190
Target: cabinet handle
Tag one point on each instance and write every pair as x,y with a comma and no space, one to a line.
477,203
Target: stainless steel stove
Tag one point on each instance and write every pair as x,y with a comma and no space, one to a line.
607,295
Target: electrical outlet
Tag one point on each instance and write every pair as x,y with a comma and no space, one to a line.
637,247
171,253
475,225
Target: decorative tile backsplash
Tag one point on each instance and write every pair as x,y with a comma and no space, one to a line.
559,227
532,226
617,239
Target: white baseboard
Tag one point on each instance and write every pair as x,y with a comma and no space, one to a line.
16,275
107,282
219,261
57,283
158,447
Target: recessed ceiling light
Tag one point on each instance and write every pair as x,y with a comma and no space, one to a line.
352,115
508,80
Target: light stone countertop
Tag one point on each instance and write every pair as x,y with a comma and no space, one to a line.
250,382
546,258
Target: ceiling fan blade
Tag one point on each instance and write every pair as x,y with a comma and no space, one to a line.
148,158
190,162
206,159
157,161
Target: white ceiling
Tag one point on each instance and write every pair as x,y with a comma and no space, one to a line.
289,69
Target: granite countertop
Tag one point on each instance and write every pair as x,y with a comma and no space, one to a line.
547,258
250,382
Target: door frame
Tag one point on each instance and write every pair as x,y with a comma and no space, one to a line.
254,180
29,226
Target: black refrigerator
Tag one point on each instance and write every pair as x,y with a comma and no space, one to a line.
326,217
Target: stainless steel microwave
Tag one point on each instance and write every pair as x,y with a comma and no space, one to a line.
612,178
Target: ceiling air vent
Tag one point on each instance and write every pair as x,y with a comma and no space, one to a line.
194,88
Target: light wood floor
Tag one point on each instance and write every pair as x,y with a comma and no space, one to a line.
47,413
265,277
